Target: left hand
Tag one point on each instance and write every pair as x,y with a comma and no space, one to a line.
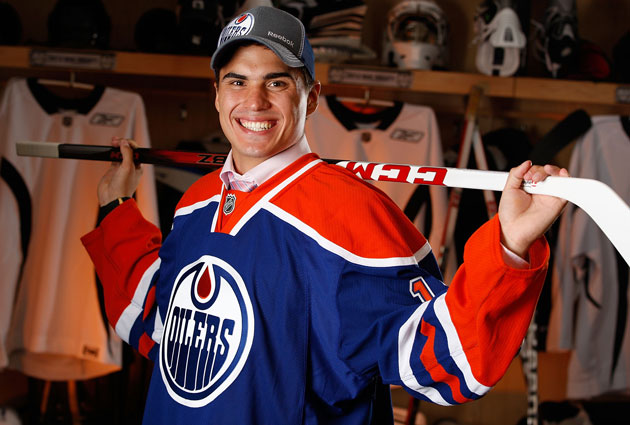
525,217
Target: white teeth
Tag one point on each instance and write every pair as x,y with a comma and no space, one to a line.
256,125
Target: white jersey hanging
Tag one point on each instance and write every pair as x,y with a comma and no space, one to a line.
51,324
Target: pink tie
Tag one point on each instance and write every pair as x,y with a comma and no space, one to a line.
241,184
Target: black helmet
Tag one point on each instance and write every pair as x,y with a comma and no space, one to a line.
199,26
156,31
10,25
79,24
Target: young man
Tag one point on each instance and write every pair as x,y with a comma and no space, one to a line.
289,291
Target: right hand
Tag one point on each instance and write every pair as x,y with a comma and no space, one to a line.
122,178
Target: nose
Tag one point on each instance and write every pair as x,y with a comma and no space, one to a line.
257,98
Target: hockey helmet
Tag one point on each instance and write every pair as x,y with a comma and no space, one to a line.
10,25
592,63
416,36
79,24
500,40
199,26
156,31
557,41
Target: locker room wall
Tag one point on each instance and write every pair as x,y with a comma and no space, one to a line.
601,22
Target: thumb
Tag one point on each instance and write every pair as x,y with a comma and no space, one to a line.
515,178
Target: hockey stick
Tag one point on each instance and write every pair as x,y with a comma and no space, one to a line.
597,199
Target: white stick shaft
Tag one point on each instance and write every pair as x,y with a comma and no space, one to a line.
598,200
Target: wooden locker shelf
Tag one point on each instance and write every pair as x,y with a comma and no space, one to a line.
183,68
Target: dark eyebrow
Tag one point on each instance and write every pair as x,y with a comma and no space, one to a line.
234,75
270,76
274,75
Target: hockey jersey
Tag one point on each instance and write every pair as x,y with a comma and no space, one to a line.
287,304
51,324
404,134
590,283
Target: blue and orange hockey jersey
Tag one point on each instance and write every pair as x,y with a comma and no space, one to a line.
286,304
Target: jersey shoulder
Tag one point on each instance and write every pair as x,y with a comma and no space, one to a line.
350,213
201,190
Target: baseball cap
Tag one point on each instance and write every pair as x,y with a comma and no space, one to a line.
276,29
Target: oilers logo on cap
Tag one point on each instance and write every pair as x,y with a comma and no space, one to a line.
239,27
208,332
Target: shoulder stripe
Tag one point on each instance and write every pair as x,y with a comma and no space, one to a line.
197,205
268,196
134,310
336,249
423,252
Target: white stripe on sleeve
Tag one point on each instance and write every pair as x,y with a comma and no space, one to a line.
455,347
135,308
406,337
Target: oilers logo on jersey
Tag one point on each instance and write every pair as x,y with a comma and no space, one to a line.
208,332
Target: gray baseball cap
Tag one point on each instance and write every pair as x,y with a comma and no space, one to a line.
280,31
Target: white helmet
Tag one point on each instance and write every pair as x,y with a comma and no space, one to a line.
501,41
416,36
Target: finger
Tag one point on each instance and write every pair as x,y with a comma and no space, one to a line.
134,145
536,173
539,173
553,170
127,154
517,174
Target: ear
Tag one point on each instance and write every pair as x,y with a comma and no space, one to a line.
216,95
312,99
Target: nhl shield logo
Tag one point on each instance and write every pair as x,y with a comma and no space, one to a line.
230,203
208,332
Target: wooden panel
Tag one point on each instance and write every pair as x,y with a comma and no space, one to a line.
14,57
445,82
163,65
461,83
565,90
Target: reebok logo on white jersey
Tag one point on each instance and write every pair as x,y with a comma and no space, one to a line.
108,120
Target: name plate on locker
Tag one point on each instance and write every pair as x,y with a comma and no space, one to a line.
72,59
370,77
622,94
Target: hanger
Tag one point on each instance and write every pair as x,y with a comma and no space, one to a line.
71,83
365,104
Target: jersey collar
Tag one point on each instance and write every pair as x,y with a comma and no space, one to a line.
268,168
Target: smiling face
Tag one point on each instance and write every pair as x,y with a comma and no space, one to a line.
262,104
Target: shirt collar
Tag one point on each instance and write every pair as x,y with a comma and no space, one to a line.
266,169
